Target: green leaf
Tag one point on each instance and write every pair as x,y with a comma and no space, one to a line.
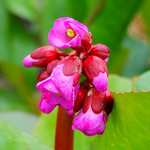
22,41
119,84
127,128
142,83
23,8
3,31
11,101
144,11
11,138
16,78
45,129
24,122
110,26
138,56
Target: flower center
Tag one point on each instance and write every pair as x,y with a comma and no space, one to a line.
70,33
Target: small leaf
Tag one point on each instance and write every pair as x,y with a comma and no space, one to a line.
119,84
143,82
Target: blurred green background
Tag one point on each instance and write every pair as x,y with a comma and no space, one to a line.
124,25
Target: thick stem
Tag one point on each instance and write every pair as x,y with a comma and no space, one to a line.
64,133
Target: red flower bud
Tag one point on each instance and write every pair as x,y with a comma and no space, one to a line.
51,65
72,65
40,57
100,50
80,99
47,52
42,75
93,65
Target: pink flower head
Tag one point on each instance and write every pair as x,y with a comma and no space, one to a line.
62,84
40,57
67,32
59,76
96,70
91,120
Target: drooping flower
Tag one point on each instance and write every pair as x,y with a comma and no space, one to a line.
96,70
40,57
63,83
91,120
68,33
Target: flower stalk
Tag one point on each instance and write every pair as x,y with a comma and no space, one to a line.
64,133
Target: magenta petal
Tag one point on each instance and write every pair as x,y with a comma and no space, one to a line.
89,123
56,41
48,102
47,85
28,61
101,82
61,86
57,36
63,83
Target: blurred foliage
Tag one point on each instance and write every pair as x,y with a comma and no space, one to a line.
24,26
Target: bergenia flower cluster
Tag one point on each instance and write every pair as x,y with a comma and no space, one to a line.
77,81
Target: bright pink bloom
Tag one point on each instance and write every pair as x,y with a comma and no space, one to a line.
63,83
59,76
91,120
90,123
67,32
96,70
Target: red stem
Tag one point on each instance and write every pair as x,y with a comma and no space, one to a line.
64,133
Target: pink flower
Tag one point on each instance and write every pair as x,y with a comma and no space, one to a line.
67,32
90,123
59,77
62,84
40,57
96,70
91,120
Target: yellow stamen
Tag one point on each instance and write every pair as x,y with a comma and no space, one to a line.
70,33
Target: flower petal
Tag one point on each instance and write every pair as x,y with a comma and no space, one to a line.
28,61
101,82
90,123
48,102
58,37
